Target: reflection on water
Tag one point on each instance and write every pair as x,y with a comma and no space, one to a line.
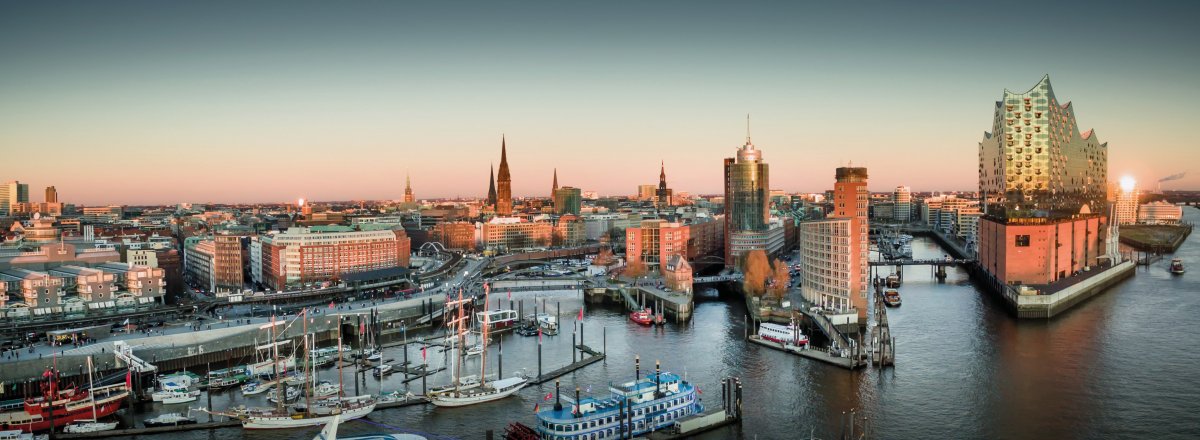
1119,365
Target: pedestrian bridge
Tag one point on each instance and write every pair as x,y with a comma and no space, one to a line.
716,279
929,262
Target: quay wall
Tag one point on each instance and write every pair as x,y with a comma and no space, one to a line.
219,347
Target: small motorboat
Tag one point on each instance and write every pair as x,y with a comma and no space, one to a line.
382,370
169,419
326,389
181,397
475,350
891,298
1177,266
643,317
290,394
88,425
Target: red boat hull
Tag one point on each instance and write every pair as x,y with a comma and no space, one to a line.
640,318
60,420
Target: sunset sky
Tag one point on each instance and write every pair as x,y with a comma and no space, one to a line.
165,102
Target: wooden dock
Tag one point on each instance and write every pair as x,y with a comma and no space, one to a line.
810,353
593,357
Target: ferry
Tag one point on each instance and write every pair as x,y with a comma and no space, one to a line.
1177,266
783,334
643,317
632,409
891,298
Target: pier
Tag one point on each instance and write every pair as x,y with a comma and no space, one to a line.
675,305
593,357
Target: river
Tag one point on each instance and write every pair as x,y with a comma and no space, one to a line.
1119,365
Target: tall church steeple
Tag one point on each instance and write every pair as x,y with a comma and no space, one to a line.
663,194
408,194
554,189
504,203
491,198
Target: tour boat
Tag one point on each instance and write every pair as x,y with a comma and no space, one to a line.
84,426
1177,266
632,409
891,298
169,419
643,317
181,397
783,334
498,320
462,392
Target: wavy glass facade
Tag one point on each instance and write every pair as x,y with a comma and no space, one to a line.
1036,163
747,196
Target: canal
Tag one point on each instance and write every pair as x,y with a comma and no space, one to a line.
1119,365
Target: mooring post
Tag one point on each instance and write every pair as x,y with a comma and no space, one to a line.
208,392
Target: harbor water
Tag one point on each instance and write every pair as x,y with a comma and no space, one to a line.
1120,365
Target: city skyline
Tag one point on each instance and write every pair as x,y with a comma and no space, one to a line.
280,112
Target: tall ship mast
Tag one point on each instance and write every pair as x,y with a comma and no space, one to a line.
472,390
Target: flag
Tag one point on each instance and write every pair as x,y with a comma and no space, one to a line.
580,318
331,304
699,391
362,328
510,295
539,334
422,352
129,379
536,407
549,396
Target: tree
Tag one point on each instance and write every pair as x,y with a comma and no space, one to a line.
780,280
635,269
756,269
604,258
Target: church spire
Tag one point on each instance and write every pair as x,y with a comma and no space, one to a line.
491,198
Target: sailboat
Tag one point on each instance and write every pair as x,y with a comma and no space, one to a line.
90,425
314,413
469,391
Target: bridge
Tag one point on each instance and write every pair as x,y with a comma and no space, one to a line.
717,279
927,262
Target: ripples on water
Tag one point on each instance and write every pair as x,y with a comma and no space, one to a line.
1121,365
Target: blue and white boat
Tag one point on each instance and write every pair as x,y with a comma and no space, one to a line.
648,404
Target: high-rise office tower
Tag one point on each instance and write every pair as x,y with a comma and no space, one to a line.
747,198
902,204
504,202
663,194
408,194
12,195
51,195
567,200
1044,188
